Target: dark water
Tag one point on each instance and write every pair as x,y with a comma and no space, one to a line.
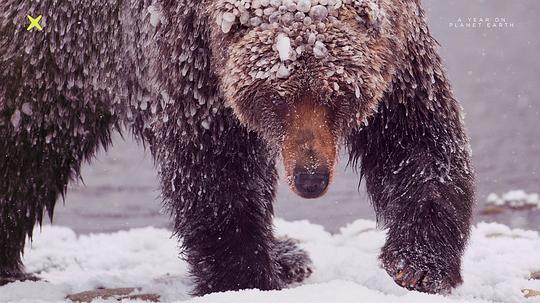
495,73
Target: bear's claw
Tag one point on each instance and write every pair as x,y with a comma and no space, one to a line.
427,277
421,281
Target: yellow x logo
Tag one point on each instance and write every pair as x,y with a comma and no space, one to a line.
34,22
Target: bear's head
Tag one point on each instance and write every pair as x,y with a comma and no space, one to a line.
305,73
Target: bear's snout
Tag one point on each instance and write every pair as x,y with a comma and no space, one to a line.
311,184
309,150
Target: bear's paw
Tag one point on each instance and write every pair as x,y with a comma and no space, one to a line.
294,263
422,271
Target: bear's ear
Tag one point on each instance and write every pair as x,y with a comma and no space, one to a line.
185,83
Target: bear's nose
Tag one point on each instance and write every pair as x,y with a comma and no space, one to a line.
311,185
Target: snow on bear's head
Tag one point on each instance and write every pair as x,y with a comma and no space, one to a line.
304,73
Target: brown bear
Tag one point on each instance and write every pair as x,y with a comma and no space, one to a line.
218,90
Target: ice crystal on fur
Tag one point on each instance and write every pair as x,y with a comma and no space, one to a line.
306,23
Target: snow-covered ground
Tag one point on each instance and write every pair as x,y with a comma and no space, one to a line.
496,268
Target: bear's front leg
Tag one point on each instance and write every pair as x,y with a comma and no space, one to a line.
425,240
219,184
416,163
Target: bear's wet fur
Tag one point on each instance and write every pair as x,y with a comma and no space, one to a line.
202,84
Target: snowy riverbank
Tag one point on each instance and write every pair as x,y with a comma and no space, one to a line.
497,266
